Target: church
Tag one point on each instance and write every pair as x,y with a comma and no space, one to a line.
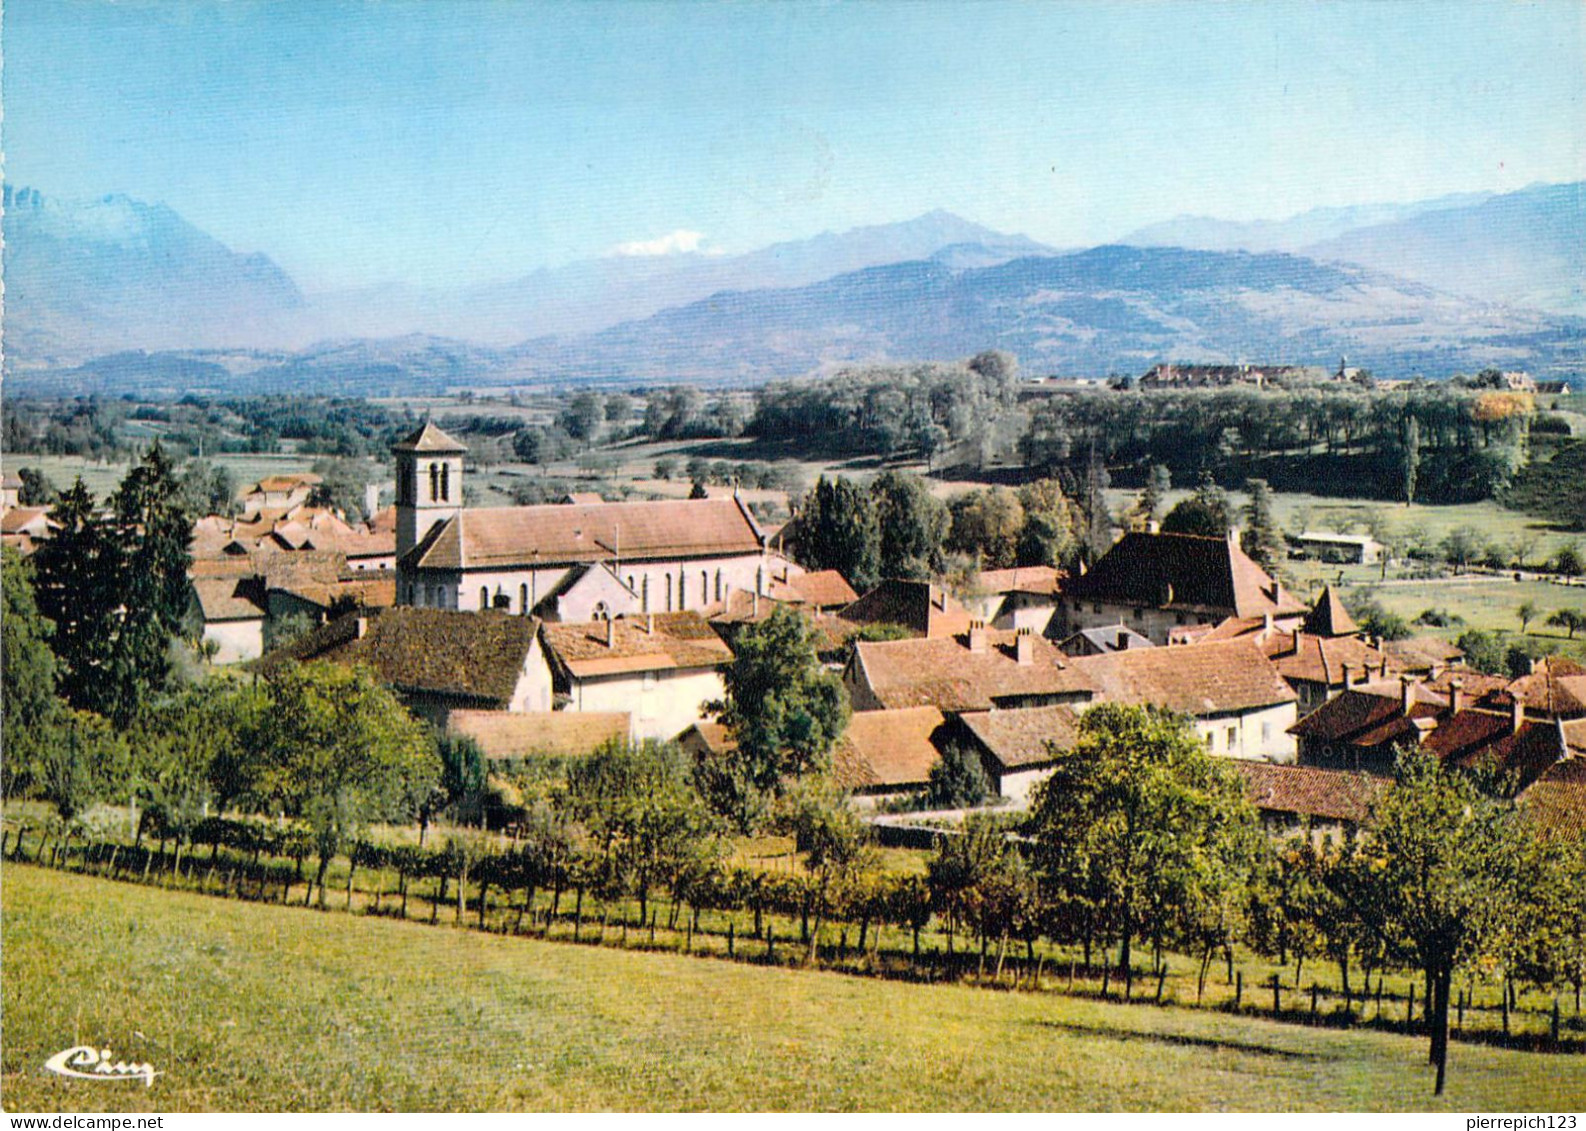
578,561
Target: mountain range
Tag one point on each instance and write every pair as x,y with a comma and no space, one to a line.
117,295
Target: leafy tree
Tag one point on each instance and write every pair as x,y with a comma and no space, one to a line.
1051,534
1569,619
958,780
1461,546
647,821
783,708
839,529
82,762
699,490
1433,879
1374,620
1138,822
286,629
1206,512
343,482
583,417
1260,538
36,490
666,467
464,777
1153,497
1568,561
619,409
835,842
27,670
1527,613
987,524
1411,457
912,525
542,445
1483,650
339,751
208,488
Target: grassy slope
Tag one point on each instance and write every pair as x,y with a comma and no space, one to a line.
245,1006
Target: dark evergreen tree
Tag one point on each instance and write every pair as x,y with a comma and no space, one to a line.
1260,538
838,529
78,592
912,523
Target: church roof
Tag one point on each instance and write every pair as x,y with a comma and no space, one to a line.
1329,617
567,533
429,438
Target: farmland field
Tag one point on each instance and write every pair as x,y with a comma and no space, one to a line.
246,1006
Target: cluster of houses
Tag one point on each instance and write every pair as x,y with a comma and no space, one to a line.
544,631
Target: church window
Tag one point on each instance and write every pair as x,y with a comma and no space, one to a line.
446,491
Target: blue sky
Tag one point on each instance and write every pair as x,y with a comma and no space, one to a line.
437,143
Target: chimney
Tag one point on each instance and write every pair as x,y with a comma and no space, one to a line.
1348,683
1517,713
1456,696
1295,646
1153,527
1277,591
1024,647
1266,624
611,632
1406,693
977,636
1434,669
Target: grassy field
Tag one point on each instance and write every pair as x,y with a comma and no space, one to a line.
245,1007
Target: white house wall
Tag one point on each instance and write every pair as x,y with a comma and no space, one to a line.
236,640
661,704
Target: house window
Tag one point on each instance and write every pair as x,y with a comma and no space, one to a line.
446,491
1178,618
1139,614
523,599
1211,740
484,597
704,587
1266,733
682,586
668,578
435,481
1233,737
1095,608
718,585
644,593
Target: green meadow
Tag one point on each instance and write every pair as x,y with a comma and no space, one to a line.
243,1006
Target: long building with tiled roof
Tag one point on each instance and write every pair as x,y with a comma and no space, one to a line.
661,556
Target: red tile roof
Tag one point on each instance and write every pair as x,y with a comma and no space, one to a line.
429,438
558,534
1309,791
825,588
888,748
942,672
661,642
1182,571
1018,738
506,735
1329,617
478,656
922,607
1557,801
1199,679
229,598
1043,580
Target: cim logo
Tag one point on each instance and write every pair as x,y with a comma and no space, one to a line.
84,1062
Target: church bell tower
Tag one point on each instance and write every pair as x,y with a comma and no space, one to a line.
429,483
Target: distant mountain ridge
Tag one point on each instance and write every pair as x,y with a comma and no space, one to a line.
85,277
1108,309
1525,248
115,296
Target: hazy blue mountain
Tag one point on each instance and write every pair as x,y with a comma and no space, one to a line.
1109,309
593,294
90,277
1206,233
1525,248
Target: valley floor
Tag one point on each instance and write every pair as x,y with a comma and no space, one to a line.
245,1007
